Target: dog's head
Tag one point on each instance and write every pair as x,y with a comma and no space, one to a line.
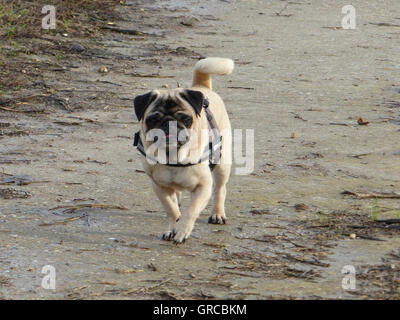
174,112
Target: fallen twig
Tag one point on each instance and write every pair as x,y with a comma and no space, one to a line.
243,274
72,208
314,262
245,88
363,236
388,221
64,221
138,75
126,31
384,24
23,111
372,195
358,156
21,99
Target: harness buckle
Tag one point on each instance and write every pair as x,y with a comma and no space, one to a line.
136,138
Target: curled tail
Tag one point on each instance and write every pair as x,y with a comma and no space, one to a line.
205,67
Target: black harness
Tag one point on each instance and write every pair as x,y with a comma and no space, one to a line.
212,152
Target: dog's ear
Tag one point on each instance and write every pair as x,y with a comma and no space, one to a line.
142,102
195,99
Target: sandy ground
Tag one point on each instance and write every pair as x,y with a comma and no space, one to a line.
301,82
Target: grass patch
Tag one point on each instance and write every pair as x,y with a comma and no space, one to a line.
21,33
323,217
375,210
23,19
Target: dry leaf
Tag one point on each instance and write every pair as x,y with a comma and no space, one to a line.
361,122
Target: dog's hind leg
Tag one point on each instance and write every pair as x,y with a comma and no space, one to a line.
221,176
169,200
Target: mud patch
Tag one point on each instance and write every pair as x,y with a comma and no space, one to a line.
17,180
4,281
344,225
276,266
380,281
10,193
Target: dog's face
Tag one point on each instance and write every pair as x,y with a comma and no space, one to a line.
174,112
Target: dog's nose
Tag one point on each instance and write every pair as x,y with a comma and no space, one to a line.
165,127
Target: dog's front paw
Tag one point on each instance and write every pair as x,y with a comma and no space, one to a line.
168,235
180,237
181,233
217,219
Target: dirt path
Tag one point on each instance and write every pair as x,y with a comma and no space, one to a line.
301,82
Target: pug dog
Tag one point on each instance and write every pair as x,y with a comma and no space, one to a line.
184,110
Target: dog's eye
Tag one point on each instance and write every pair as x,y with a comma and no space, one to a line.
153,119
184,119
187,121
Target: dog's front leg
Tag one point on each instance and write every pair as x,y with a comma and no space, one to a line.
169,200
200,197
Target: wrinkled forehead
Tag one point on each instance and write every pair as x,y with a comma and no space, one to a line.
167,102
